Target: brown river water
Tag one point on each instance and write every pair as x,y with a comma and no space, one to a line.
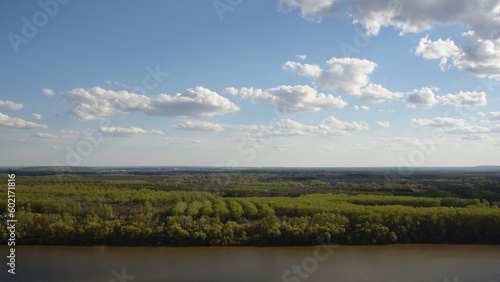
291,264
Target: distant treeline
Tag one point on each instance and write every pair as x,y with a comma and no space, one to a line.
253,209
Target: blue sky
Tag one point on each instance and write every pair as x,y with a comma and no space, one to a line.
323,83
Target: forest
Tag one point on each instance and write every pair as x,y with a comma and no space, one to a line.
252,207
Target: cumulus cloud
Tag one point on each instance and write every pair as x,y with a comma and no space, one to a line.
231,90
445,122
159,132
344,125
440,49
48,92
69,131
111,82
131,131
384,124
464,99
375,93
492,116
301,57
9,122
293,99
346,76
341,75
476,137
312,10
480,55
37,116
198,126
11,105
451,125
423,98
253,127
96,103
284,127
329,126
43,135
408,16
357,108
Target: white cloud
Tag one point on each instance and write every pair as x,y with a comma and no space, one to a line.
342,75
301,57
48,92
493,116
346,76
311,70
384,124
464,99
44,135
375,93
476,137
293,99
400,139
284,127
445,122
69,131
344,125
37,116
480,55
11,105
159,132
470,129
198,126
253,127
111,82
440,49
408,16
329,126
9,122
423,98
96,103
357,108
450,125
131,131
312,10
231,90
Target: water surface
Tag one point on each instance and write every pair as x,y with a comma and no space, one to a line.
336,263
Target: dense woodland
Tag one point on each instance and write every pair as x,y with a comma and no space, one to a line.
253,207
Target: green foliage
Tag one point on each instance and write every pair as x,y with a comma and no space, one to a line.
253,209
178,209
